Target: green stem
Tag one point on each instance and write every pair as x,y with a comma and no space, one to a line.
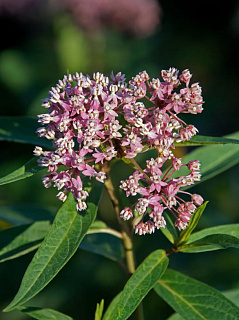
127,240
126,235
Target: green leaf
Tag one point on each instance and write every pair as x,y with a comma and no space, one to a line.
193,299
104,241
232,295
22,129
213,242
62,241
98,225
169,231
175,316
104,244
44,314
111,308
26,213
205,140
140,283
214,159
17,241
26,171
184,235
219,237
99,310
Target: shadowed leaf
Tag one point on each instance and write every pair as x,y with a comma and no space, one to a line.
44,314
22,129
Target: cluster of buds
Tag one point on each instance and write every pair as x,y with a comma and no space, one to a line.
91,121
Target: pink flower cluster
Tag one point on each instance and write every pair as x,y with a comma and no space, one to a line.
91,121
160,191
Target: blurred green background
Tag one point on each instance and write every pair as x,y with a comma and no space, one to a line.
43,40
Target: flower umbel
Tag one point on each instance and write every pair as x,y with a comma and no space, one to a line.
92,121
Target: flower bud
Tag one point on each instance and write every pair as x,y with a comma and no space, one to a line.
197,199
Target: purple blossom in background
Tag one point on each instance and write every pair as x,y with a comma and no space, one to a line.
138,17
84,122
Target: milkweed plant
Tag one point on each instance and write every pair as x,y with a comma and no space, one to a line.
90,129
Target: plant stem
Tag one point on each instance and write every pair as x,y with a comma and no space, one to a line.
127,239
129,253
126,235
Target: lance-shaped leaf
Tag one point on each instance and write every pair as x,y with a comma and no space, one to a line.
99,310
18,215
169,231
62,241
25,171
215,238
193,299
109,245
232,295
140,283
22,129
214,159
112,307
44,314
184,235
205,140
175,316
20,240
17,241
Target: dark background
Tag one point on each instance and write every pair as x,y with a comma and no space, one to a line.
40,42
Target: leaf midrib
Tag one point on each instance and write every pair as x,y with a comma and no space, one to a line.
122,306
181,298
29,289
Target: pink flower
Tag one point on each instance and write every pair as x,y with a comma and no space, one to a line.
89,171
91,121
126,213
197,199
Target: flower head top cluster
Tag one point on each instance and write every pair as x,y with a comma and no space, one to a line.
91,121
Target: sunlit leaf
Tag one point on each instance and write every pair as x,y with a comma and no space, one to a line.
62,241
184,235
214,159
205,140
140,283
111,308
169,231
232,295
219,237
26,171
195,300
99,310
